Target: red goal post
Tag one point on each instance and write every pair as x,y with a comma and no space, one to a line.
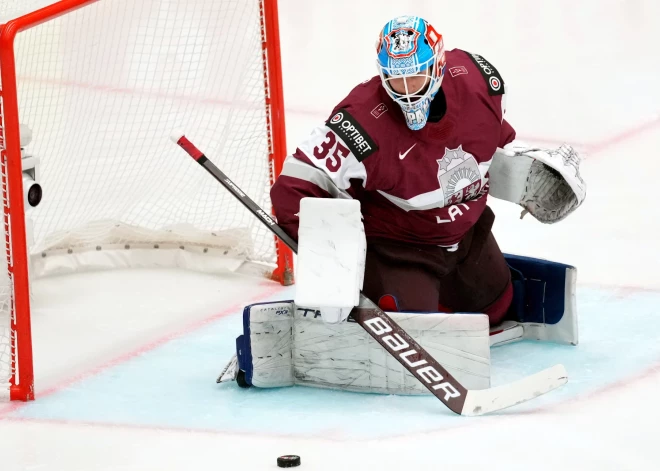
259,164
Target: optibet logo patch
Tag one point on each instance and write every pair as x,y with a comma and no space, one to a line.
353,134
490,75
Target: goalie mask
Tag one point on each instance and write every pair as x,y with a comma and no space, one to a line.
411,64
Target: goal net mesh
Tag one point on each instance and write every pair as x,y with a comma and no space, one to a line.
102,88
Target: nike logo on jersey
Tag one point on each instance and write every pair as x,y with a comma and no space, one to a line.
403,156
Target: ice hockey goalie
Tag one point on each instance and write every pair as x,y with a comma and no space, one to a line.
389,196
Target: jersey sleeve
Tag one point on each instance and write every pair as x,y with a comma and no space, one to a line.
507,133
328,164
493,85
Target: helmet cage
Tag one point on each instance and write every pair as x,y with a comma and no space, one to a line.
428,69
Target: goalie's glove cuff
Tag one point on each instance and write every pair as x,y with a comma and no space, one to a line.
554,187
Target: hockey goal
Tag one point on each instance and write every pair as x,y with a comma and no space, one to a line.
100,85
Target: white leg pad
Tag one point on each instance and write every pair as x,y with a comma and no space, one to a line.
291,345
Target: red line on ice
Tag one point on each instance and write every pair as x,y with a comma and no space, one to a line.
125,357
593,147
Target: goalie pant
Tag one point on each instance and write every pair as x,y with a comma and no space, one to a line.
474,277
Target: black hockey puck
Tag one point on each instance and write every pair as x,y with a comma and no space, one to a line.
288,461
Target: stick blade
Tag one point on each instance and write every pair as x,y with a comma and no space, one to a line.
484,401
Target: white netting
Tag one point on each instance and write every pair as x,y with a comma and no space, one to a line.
103,87
10,9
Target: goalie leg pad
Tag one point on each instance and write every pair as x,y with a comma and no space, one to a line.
283,345
544,301
264,350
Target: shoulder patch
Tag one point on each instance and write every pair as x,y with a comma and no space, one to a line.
489,73
353,134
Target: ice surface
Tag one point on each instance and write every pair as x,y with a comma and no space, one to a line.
126,377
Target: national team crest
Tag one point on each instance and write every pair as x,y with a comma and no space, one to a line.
459,176
402,42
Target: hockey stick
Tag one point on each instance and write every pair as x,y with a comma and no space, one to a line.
396,341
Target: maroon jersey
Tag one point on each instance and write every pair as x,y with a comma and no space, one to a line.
427,186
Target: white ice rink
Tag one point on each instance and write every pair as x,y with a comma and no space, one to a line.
126,361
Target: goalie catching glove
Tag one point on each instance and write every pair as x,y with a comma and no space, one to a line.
546,183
